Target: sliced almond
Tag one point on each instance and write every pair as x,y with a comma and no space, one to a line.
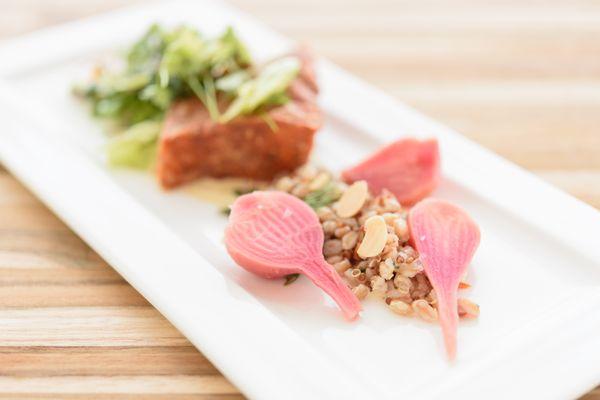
352,200
319,182
375,237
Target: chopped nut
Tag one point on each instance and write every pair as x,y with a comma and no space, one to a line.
375,237
352,200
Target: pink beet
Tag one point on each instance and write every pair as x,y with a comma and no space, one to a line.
274,234
409,168
446,239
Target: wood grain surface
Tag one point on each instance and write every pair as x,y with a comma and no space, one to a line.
521,78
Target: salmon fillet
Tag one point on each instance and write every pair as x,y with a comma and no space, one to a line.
193,146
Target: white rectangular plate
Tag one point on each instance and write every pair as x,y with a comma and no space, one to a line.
536,274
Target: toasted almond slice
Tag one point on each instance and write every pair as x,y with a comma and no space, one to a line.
320,181
375,237
352,200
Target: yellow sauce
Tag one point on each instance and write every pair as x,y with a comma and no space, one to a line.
220,192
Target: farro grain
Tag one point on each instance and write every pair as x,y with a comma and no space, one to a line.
370,272
341,231
467,309
349,278
400,307
386,269
432,297
329,227
325,213
300,190
424,310
403,284
334,259
307,172
319,181
332,247
361,291
378,285
390,218
408,270
401,229
394,294
342,265
285,184
349,240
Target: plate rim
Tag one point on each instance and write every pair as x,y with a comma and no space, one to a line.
342,106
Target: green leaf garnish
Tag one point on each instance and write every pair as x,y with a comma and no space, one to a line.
226,211
271,82
242,191
324,196
231,83
136,147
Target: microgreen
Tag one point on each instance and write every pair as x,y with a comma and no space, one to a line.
323,197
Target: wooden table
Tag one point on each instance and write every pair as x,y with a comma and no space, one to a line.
522,78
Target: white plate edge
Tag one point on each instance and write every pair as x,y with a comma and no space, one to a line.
584,216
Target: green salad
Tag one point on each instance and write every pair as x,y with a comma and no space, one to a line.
165,65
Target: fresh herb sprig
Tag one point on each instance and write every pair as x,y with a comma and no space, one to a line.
324,196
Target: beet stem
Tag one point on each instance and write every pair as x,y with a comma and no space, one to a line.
324,276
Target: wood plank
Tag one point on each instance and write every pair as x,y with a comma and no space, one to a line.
170,384
81,295
521,78
87,326
119,396
98,361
